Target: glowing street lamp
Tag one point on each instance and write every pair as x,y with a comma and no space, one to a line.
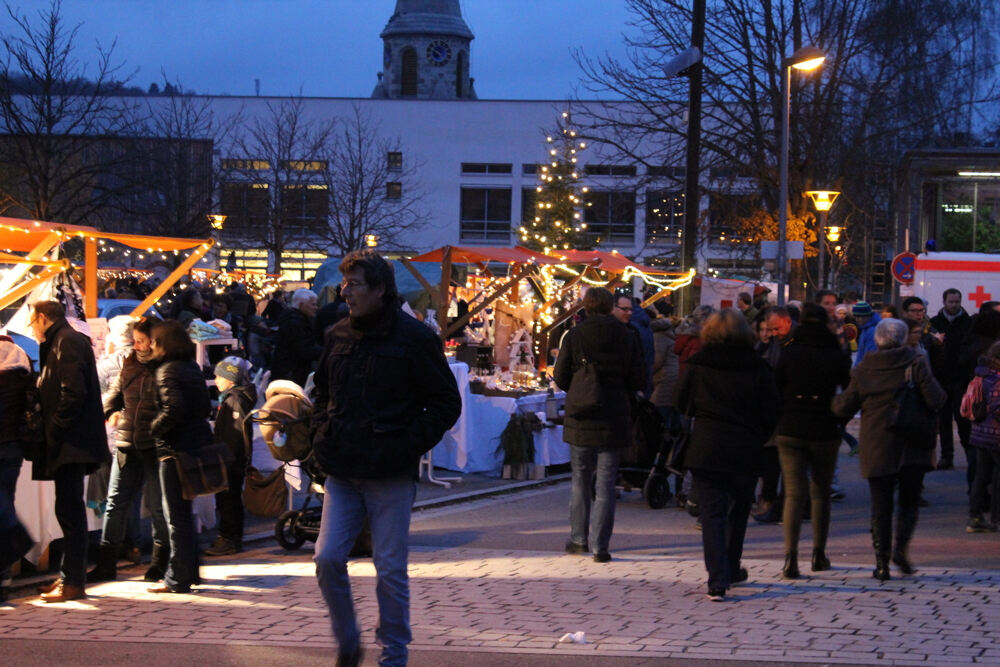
805,59
823,201
371,240
217,220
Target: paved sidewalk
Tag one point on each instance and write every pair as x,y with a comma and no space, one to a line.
521,602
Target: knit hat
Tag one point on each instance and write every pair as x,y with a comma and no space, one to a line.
862,309
234,369
119,333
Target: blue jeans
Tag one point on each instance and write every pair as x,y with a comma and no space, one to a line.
183,566
130,470
724,500
387,502
71,514
583,522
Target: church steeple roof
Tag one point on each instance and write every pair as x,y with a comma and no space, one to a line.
430,17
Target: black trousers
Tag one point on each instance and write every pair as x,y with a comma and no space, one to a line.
770,477
724,500
229,503
910,481
71,513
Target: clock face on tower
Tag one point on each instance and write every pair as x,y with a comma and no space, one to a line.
438,53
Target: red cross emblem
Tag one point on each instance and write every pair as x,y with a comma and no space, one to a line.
979,296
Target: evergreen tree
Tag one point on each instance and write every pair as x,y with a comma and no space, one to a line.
558,219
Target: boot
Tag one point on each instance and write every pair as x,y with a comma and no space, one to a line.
906,523
819,561
791,569
158,564
107,564
881,539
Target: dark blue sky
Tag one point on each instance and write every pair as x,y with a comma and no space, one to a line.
331,47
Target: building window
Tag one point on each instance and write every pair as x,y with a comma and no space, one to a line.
610,170
528,198
529,169
246,206
304,165
486,168
610,216
676,173
305,207
409,83
664,216
394,159
460,74
245,165
486,214
393,190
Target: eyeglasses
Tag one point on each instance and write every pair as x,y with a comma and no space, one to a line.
625,308
916,310
352,284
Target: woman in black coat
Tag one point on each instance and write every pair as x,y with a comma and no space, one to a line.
729,391
808,374
597,436
887,459
181,425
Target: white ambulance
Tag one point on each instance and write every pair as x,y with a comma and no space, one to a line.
975,274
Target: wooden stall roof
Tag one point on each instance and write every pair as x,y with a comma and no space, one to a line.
606,261
19,235
483,254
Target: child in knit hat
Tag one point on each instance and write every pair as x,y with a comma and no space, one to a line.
237,397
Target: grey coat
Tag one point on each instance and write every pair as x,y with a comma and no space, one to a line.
666,367
873,383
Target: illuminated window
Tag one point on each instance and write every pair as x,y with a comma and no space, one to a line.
245,164
304,165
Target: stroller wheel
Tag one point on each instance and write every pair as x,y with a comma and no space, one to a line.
287,533
656,491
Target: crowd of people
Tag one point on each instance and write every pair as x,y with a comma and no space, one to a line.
759,397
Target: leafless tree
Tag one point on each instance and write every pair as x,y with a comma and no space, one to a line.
897,75
65,130
372,190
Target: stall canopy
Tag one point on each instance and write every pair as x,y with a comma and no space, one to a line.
36,238
486,254
612,262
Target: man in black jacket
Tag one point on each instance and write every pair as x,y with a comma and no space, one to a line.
954,323
75,441
384,397
296,348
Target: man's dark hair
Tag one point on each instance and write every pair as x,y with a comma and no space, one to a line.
950,290
599,301
378,272
52,310
171,337
988,307
778,311
910,300
223,299
744,297
822,293
145,326
813,313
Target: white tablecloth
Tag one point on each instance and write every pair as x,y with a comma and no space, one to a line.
470,446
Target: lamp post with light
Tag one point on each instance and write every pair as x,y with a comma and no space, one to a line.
805,59
823,201
216,221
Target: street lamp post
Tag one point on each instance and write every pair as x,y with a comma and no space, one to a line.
823,200
805,59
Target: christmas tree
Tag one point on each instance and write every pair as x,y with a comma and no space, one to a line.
558,219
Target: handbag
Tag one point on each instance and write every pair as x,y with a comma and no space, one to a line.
680,440
203,471
911,419
265,495
973,406
585,398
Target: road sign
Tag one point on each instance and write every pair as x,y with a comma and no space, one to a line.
904,266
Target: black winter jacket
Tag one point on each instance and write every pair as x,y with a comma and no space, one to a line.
71,403
809,371
954,332
615,351
231,425
730,393
133,393
182,398
296,348
384,396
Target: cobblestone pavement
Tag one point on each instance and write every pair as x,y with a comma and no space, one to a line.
486,601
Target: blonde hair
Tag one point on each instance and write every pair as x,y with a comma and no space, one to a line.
726,326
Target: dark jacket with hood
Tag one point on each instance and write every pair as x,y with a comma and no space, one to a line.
640,322
955,330
808,374
729,391
134,393
666,366
384,396
184,408
14,378
873,383
295,349
614,351
231,424
71,403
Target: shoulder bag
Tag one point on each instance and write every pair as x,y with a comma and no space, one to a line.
910,418
585,398
203,471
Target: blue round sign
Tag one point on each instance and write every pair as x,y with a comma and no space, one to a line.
904,267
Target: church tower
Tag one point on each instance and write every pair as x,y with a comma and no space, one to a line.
426,54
